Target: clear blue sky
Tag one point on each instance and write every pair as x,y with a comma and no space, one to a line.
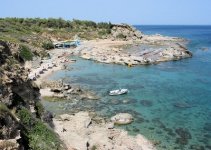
117,11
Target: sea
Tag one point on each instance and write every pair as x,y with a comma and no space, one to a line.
170,101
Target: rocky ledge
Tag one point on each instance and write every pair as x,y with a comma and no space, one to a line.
84,133
134,48
62,91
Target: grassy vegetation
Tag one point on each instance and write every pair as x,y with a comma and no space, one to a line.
121,36
31,29
39,109
40,136
25,53
48,45
3,109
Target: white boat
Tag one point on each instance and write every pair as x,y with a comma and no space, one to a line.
118,92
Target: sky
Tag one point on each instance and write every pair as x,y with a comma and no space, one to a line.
136,12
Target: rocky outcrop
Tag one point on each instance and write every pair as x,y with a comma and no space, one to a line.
61,91
125,32
17,93
15,88
84,133
149,50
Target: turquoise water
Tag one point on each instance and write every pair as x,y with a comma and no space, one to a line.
171,101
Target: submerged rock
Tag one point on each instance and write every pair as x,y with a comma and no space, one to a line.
115,102
204,48
197,147
146,103
136,130
184,136
139,119
207,127
182,105
122,118
129,101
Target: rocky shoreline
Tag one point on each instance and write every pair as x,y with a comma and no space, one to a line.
133,48
84,133
139,52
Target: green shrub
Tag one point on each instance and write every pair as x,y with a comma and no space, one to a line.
104,32
121,36
48,45
40,136
104,25
43,138
25,53
25,117
39,109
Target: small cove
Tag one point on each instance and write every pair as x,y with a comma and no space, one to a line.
170,101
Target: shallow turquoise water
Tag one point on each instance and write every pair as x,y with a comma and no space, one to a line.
171,101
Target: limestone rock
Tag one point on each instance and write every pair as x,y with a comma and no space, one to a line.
10,144
122,118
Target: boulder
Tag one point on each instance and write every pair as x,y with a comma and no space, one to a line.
122,118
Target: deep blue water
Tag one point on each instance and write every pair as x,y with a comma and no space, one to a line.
171,101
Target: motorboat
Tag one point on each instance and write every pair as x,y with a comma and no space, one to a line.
118,92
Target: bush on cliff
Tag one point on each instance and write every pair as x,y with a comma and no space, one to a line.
38,135
48,45
104,25
121,36
39,109
104,32
25,53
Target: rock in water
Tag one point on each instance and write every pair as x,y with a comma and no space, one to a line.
146,103
182,105
122,118
184,136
